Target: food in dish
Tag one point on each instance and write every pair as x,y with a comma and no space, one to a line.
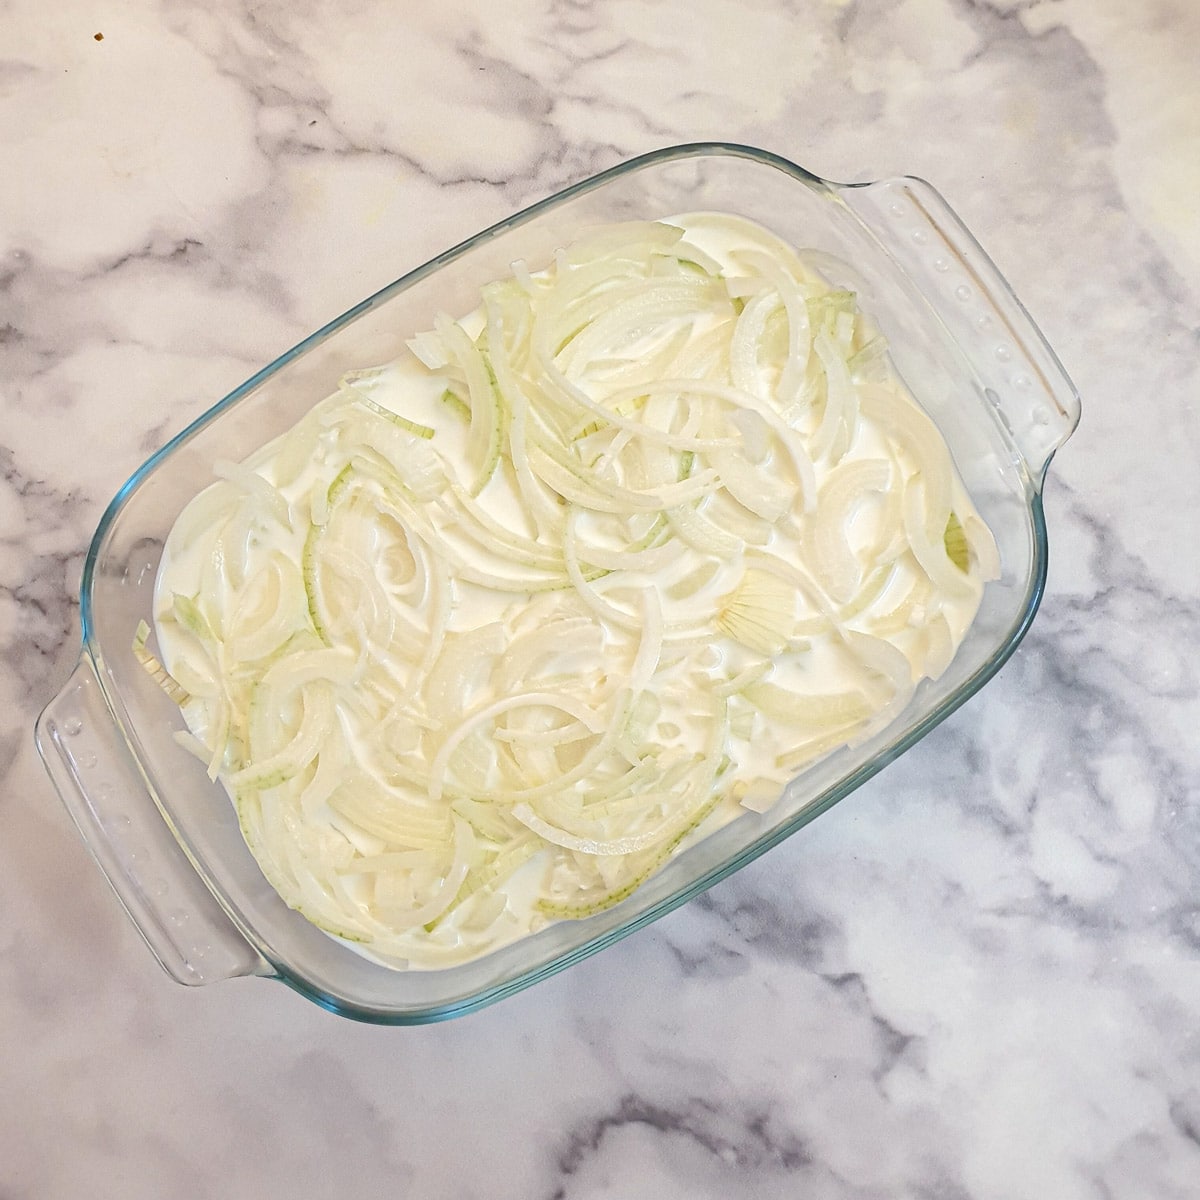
502,626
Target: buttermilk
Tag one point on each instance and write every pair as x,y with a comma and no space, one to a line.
502,627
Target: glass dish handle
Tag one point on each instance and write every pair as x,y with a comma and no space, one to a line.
99,782
1030,391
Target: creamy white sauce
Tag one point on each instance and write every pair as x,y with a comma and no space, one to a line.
224,562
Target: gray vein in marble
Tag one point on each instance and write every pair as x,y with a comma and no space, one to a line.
764,925
1185,1116
519,94
175,250
748,1147
40,590
1005,10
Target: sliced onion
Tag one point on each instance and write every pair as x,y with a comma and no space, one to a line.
564,602
284,764
834,561
438,767
799,331
253,484
760,613
154,668
447,891
584,845
485,436
930,552
917,435
983,546
839,422
744,349
819,712
887,664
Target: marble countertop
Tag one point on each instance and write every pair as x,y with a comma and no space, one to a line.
978,978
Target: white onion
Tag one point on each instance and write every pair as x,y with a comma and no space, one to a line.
492,649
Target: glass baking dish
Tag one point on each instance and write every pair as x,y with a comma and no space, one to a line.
167,838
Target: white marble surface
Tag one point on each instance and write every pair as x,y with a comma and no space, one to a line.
976,979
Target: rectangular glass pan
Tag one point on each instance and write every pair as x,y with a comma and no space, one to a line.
168,839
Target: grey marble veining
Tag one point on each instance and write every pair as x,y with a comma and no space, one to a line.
978,978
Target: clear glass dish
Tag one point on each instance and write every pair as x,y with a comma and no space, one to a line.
168,839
